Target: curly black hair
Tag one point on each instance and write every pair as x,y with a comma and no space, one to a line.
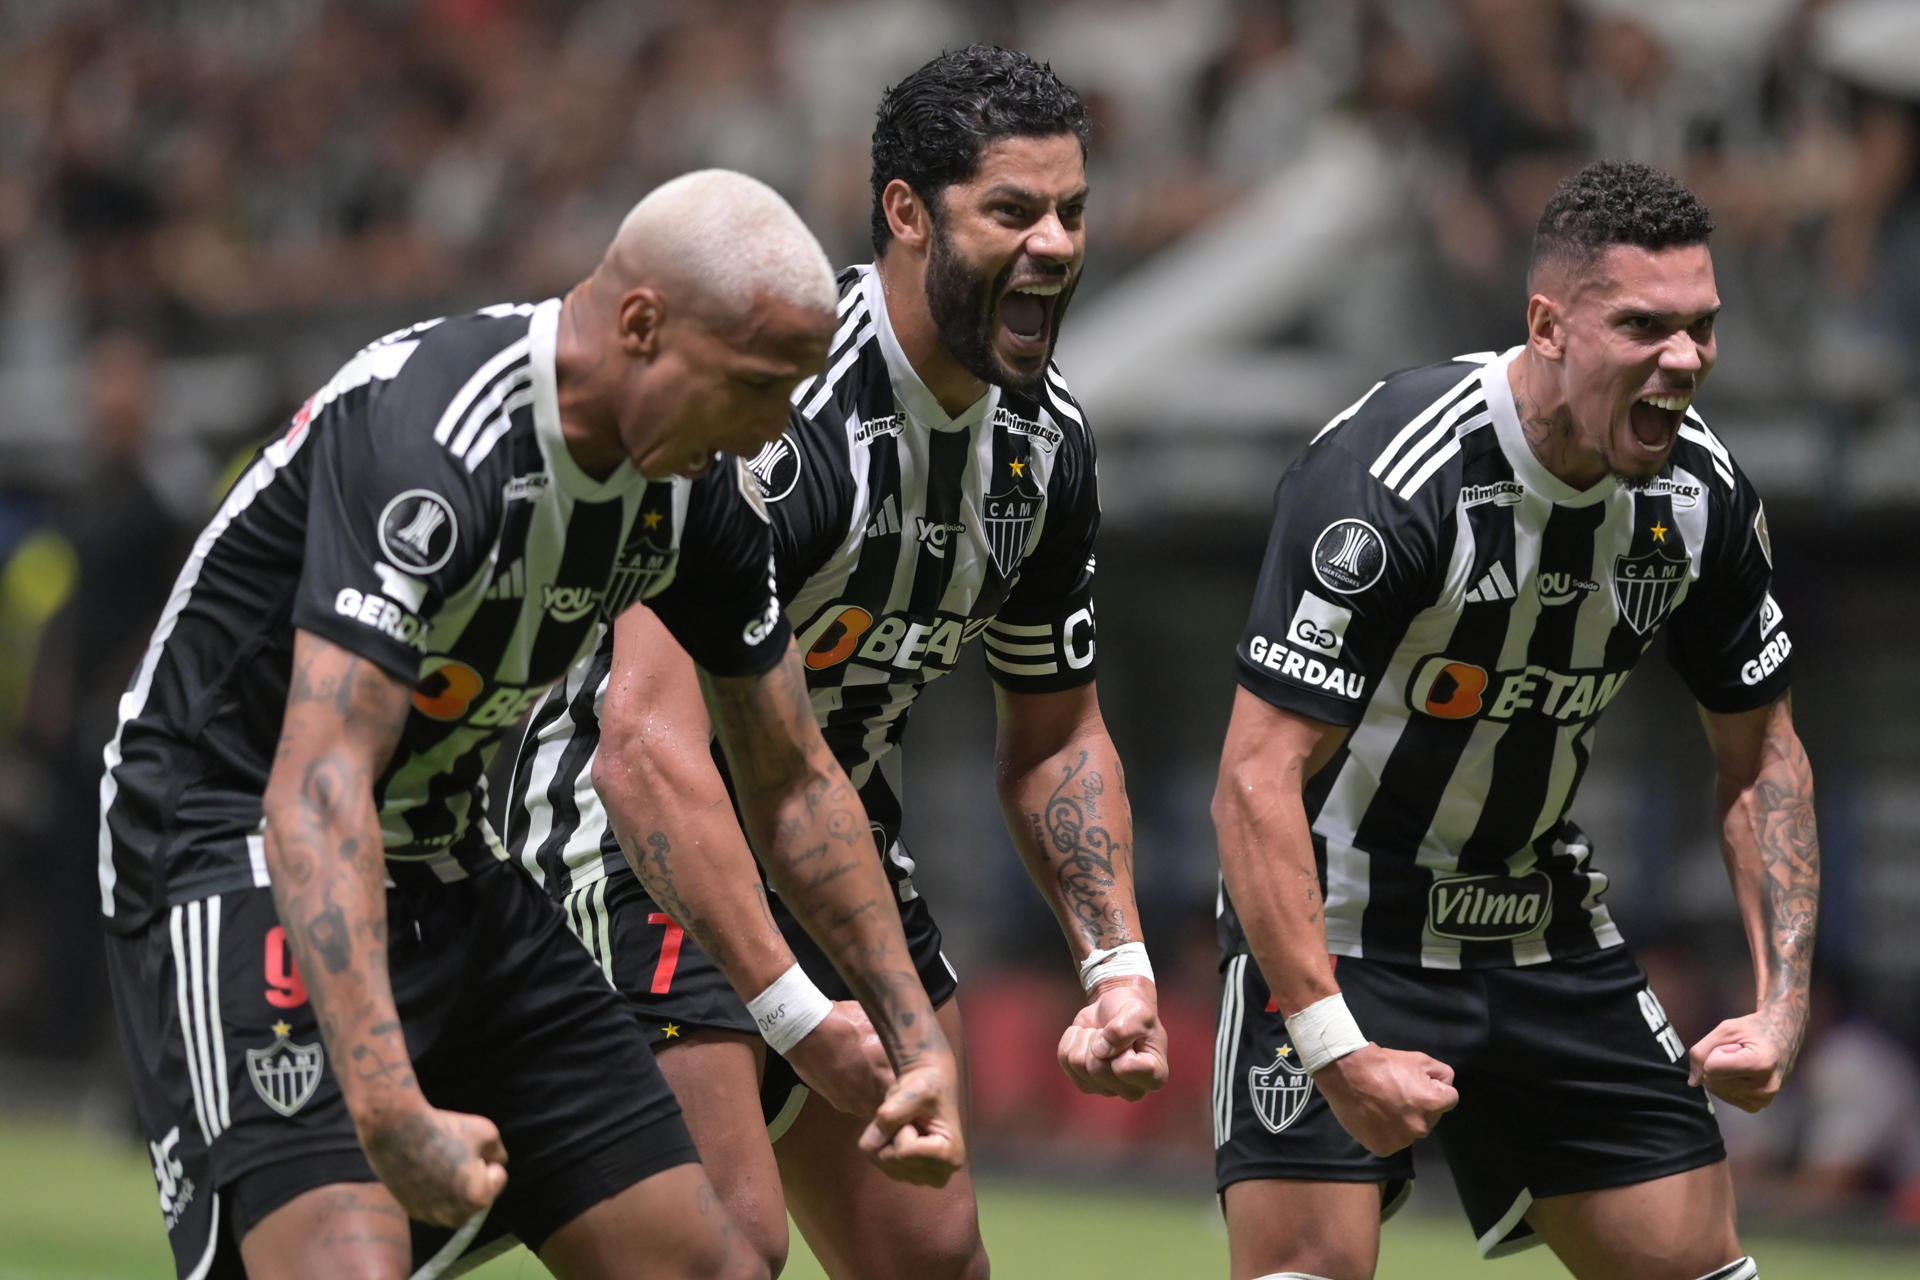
933,125
1613,202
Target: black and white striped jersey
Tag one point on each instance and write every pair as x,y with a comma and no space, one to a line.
1429,584
422,511
900,533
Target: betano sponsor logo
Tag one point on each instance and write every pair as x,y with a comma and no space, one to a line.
1296,666
894,641
1488,908
1449,689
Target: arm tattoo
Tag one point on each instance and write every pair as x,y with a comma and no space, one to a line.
1790,864
1083,853
656,873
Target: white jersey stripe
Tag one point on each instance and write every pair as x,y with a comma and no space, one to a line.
1420,420
1438,435
484,407
498,425
456,409
847,361
217,1065
1443,456
1021,668
183,1005
1013,650
197,960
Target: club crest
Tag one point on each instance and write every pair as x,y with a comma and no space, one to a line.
1008,521
1644,586
285,1074
1280,1089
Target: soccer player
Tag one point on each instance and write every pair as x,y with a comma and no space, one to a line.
1464,568
935,484
314,933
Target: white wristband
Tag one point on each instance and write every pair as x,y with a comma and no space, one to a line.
1128,960
788,1009
1324,1031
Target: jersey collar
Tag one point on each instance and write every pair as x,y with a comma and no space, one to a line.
915,400
543,336
1527,467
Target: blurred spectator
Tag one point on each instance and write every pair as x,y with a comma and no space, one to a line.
125,550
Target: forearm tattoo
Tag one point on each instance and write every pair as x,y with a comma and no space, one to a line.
654,865
1087,858
1783,826
811,829
327,874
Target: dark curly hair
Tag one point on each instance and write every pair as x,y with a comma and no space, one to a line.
1613,202
932,126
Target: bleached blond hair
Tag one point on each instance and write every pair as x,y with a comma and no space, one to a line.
732,239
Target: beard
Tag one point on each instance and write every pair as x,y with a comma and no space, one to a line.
962,300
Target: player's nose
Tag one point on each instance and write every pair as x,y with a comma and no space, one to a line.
1050,239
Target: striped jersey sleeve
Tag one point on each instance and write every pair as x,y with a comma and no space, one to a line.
1354,553
1727,639
398,519
721,604
1042,638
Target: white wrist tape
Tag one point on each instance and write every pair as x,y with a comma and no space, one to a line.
787,1010
1128,960
1324,1031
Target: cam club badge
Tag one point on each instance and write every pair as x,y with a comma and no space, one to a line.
1280,1090
1009,517
1644,586
285,1074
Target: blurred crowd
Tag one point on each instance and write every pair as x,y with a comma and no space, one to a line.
181,180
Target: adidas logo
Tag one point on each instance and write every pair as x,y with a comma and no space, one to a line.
1494,585
510,585
885,521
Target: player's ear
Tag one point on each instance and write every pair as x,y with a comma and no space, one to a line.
907,214
642,312
1546,327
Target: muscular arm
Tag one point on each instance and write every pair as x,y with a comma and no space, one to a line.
670,808
324,854
1065,802
1384,1097
807,821
1763,792
1266,850
675,822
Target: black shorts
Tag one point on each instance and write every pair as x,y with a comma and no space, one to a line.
1570,1080
673,985
505,1016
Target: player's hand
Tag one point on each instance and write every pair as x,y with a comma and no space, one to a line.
1116,1046
843,1060
442,1166
1387,1098
1745,1060
915,1135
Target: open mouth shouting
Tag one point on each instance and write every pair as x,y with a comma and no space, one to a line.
1026,315
1654,421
